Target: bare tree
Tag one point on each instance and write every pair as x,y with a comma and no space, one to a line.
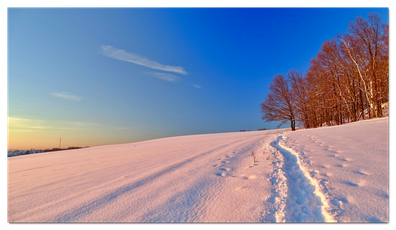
300,92
348,79
383,66
370,35
279,103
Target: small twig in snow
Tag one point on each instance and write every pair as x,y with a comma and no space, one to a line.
254,157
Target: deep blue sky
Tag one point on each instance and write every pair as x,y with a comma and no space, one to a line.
62,83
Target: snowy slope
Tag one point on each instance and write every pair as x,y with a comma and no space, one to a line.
325,174
350,164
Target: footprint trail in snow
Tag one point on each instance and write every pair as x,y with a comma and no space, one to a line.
296,196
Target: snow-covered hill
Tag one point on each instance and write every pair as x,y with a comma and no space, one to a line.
337,173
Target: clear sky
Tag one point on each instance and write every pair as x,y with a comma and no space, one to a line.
97,76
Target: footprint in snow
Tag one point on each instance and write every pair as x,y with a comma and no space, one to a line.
351,184
328,174
344,160
250,177
339,203
382,194
224,169
361,172
328,149
313,173
342,166
323,185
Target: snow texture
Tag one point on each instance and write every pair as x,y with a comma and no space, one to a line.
330,174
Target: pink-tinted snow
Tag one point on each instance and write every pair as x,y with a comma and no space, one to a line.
337,173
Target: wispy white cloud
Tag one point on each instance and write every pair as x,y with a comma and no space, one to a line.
164,76
17,123
196,86
122,55
68,96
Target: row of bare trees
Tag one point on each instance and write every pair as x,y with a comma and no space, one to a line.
347,81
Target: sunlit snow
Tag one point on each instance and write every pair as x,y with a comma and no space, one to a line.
337,173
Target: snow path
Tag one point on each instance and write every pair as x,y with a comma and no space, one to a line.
302,199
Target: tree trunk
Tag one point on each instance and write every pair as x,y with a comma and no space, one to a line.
293,124
362,104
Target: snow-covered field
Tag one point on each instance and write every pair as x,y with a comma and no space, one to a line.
328,174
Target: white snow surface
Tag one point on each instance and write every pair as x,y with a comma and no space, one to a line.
329,174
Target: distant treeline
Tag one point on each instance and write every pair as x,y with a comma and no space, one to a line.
243,130
58,149
33,151
347,81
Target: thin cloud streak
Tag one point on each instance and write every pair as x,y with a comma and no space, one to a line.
26,125
68,96
122,55
196,86
164,76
